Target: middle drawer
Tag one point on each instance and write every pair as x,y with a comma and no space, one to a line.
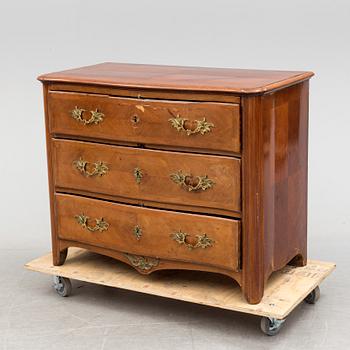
182,179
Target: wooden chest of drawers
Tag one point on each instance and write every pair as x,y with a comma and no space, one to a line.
180,167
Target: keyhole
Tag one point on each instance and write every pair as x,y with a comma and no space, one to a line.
135,119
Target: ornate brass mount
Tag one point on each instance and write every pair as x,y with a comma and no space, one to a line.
192,183
200,126
137,231
96,116
142,262
101,225
138,174
203,241
99,169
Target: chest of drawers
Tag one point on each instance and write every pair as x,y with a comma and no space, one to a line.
180,168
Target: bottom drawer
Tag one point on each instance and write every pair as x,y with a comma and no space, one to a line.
163,234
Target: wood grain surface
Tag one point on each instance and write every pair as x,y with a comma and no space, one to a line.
284,291
147,121
274,173
156,228
156,184
144,93
179,78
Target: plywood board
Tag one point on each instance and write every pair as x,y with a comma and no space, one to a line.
285,289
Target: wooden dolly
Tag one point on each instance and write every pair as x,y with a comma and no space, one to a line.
285,290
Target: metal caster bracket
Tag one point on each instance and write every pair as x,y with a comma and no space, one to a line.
62,285
313,297
271,326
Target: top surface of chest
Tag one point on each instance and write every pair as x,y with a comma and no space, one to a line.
239,81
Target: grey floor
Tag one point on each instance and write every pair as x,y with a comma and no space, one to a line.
33,316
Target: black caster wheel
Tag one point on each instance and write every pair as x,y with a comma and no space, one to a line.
313,296
62,285
270,326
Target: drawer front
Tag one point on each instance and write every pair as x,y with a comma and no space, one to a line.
148,175
149,232
211,126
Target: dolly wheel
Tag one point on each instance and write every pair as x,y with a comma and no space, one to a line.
271,326
62,285
313,296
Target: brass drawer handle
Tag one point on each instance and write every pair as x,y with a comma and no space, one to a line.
99,168
203,241
101,225
96,116
199,127
192,183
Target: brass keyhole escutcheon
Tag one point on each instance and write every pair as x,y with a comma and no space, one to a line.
135,119
138,174
137,231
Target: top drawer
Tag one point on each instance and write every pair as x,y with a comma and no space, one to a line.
196,125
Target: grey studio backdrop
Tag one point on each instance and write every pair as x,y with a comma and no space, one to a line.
42,36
